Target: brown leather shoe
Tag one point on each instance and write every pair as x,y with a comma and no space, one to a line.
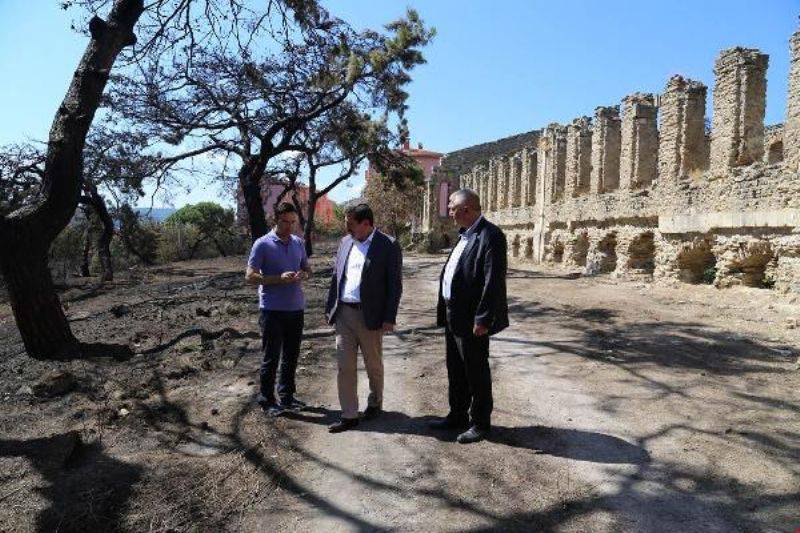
343,425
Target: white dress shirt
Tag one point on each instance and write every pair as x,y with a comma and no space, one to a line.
452,263
351,292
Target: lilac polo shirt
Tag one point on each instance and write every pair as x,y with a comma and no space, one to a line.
272,257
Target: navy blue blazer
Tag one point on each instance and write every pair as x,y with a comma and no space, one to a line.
478,291
381,281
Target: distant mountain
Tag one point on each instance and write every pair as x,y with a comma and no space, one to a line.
158,214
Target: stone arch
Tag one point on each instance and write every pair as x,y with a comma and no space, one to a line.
528,248
580,248
607,250
775,152
697,263
748,267
515,244
558,252
642,253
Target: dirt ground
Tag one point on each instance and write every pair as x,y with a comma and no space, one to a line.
619,406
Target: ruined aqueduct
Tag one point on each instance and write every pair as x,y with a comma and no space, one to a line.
644,189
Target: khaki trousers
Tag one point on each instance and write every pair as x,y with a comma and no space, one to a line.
352,333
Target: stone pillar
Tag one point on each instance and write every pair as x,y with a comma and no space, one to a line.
532,175
502,182
740,96
605,150
681,146
427,208
791,129
482,188
491,186
579,157
639,138
553,161
516,180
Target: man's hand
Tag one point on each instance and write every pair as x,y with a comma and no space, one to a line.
289,277
479,330
388,327
302,275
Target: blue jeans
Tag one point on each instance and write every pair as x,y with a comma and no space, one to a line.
281,332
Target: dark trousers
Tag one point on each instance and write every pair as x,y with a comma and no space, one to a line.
469,379
281,332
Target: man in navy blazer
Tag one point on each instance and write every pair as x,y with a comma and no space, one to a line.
363,298
472,306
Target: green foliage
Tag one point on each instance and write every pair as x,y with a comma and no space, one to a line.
709,275
208,217
205,229
140,239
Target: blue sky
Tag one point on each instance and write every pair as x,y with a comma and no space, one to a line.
495,68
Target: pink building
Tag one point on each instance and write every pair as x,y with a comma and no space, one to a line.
270,190
426,159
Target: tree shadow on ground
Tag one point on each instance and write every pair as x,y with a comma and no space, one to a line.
569,443
602,337
87,490
514,273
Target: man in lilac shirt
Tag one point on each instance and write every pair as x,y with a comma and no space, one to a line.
278,264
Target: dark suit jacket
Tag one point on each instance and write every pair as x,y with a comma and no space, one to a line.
478,291
381,281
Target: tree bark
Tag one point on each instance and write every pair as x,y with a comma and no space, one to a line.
37,309
250,182
105,236
87,248
26,234
308,231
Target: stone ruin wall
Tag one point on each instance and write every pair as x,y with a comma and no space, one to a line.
642,190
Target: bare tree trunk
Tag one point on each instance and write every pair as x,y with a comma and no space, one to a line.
308,231
98,205
250,181
37,309
105,236
26,234
87,248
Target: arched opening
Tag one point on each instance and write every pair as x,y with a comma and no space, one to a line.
515,246
642,253
750,268
775,152
557,254
528,248
697,264
580,249
607,248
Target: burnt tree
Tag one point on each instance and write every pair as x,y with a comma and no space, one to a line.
26,234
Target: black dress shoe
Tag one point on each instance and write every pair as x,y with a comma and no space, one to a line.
449,424
343,425
473,434
372,411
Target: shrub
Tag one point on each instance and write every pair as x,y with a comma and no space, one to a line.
709,275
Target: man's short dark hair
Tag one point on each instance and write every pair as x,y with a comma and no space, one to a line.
284,208
360,213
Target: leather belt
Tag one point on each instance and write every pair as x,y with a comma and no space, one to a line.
354,305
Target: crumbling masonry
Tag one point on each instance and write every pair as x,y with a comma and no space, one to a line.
643,189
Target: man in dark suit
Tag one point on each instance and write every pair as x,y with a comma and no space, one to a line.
363,298
472,306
